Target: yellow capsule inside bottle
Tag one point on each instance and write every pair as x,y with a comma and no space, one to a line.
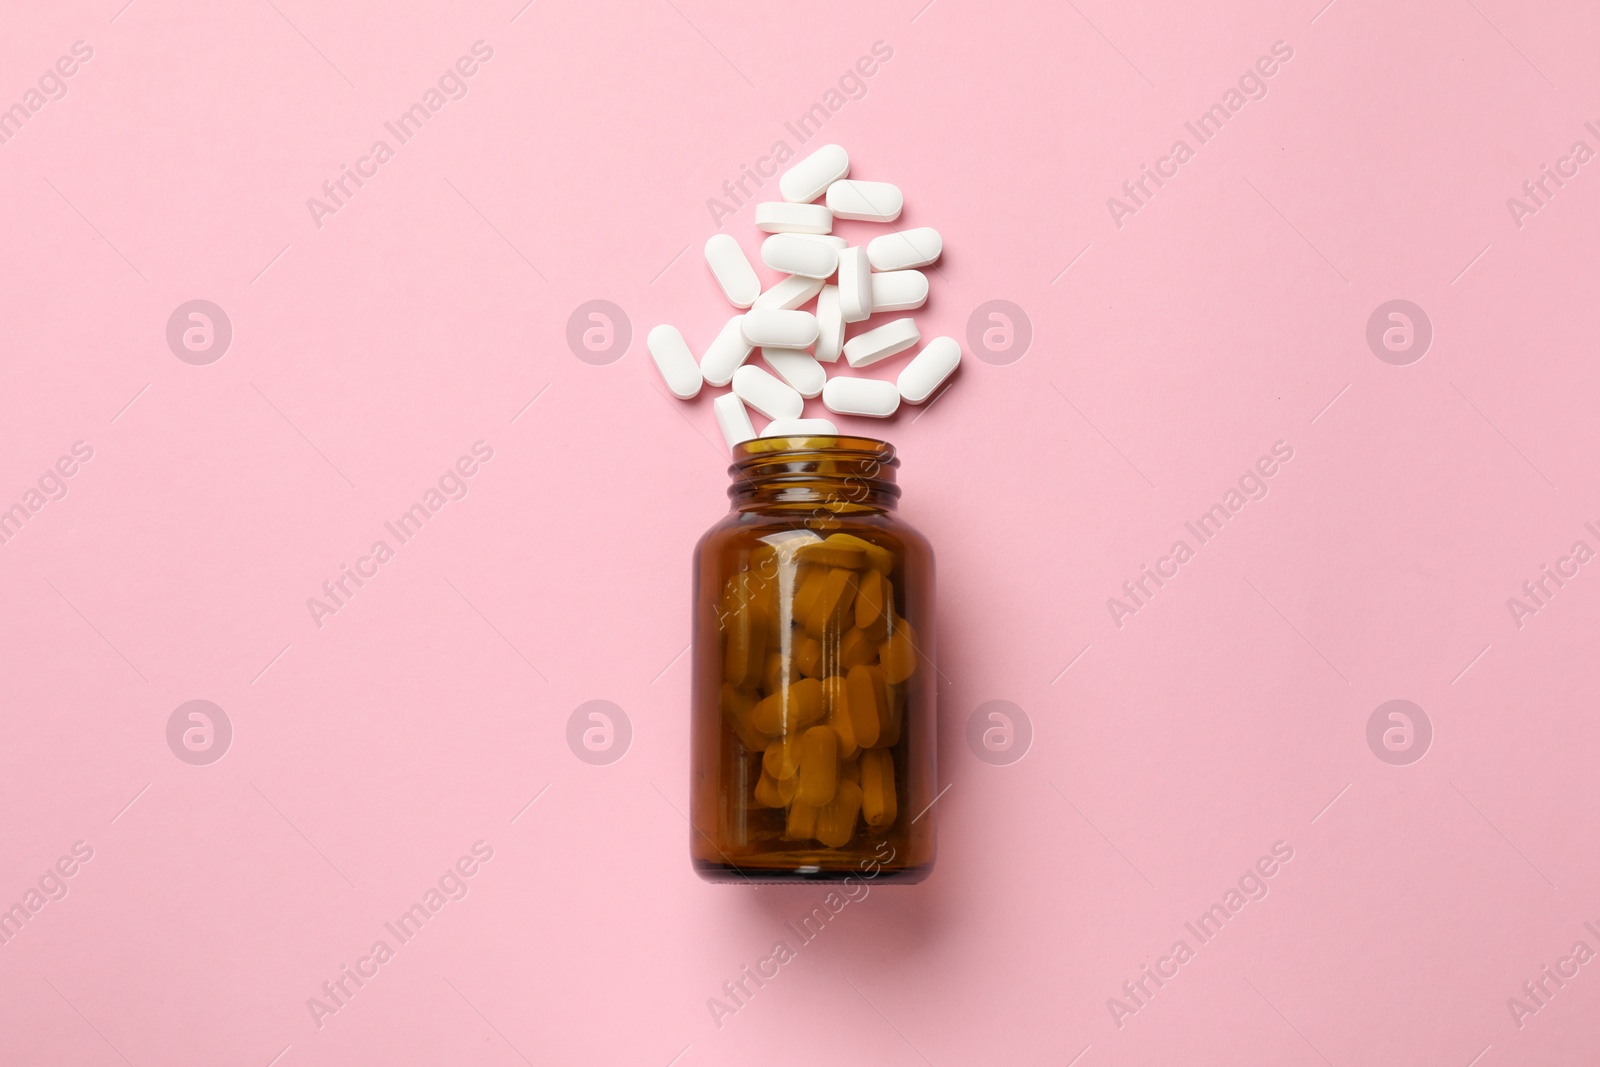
818,765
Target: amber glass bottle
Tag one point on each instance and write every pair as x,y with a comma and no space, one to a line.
812,718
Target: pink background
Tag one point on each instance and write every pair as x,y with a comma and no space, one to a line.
1229,713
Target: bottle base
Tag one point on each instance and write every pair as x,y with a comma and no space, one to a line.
781,873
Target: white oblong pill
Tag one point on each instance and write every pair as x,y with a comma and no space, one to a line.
871,397
799,254
865,201
855,285
887,340
732,270
809,178
803,373
899,290
790,293
831,240
732,419
906,249
776,328
928,369
766,394
830,325
777,217
800,428
674,361
725,354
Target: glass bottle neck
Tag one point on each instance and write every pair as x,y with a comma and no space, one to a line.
838,475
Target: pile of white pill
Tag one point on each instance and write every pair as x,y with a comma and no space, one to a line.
850,284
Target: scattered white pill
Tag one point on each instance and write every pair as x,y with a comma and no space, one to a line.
732,270
790,293
871,397
803,373
800,428
725,354
928,369
674,361
768,395
833,241
807,179
899,290
777,217
830,325
865,201
799,254
732,419
855,285
796,345
775,328
906,249
887,340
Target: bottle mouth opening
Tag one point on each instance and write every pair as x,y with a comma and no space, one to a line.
843,473
831,446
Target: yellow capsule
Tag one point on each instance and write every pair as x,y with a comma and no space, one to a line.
777,624
856,649
777,674
879,559
810,702
790,710
835,598
839,715
736,705
730,600
878,803
898,655
874,606
808,657
807,585
783,544
745,655
826,554
771,792
764,585
762,562
747,587
819,765
836,821
868,703
802,822
782,758
768,712
889,736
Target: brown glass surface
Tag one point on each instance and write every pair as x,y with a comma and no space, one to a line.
781,488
